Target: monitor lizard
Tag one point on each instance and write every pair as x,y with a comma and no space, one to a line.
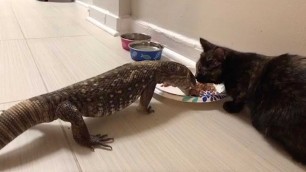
98,96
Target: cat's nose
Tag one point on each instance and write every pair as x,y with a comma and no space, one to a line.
200,78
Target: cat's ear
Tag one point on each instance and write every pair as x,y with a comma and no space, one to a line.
206,45
219,54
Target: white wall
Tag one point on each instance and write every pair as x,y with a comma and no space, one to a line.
110,15
120,8
263,26
110,5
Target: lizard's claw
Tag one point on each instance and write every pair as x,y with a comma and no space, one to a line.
150,110
100,141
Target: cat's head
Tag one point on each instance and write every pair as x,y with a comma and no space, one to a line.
209,66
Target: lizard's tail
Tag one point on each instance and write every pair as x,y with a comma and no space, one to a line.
21,117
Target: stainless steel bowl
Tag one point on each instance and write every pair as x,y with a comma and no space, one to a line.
128,38
136,37
146,46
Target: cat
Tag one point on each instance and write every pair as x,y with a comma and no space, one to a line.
273,88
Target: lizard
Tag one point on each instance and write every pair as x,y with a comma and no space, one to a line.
98,96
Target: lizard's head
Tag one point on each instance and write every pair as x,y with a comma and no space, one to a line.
177,75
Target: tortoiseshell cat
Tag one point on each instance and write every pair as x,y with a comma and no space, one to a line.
273,88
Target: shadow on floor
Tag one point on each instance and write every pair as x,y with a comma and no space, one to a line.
111,125
117,126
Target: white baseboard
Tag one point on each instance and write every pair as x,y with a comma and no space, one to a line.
103,26
171,55
177,47
183,47
82,3
108,21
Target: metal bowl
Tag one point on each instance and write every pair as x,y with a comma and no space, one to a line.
145,50
128,38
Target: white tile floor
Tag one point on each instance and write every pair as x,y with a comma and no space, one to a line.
46,46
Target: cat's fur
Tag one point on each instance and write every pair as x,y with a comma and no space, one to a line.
273,88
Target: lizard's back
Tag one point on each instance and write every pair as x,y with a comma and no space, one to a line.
97,96
111,91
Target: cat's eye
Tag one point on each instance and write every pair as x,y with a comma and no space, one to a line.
211,65
214,66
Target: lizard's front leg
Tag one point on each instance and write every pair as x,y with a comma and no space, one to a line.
146,97
66,111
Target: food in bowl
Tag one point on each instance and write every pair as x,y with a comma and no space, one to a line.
145,50
128,38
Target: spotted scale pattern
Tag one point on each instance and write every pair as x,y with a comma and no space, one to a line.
98,96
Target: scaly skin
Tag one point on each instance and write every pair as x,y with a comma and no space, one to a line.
95,97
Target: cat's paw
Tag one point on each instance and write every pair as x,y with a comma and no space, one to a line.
232,107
